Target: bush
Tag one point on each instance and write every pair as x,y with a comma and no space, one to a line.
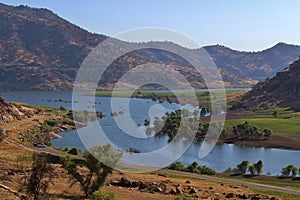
185,197
50,122
62,108
74,151
177,166
206,170
101,195
290,170
69,122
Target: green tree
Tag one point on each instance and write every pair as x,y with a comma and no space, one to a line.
243,166
177,166
74,151
267,132
41,175
97,171
251,169
294,171
193,168
258,167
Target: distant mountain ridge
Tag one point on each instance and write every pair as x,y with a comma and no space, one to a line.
281,90
41,51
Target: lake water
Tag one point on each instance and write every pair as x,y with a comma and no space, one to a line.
220,158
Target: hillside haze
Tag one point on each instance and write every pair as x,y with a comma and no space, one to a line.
41,51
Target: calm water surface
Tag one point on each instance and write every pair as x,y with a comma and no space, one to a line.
220,158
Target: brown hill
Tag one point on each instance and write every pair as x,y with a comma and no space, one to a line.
41,51
282,90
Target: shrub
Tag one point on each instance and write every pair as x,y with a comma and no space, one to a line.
62,108
290,170
177,166
206,170
50,122
101,195
69,122
185,197
45,127
74,151
243,166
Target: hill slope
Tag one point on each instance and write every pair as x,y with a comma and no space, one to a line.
10,112
41,51
282,90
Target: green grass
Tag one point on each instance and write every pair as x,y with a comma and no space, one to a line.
279,126
24,158
280,183
204,98
281,195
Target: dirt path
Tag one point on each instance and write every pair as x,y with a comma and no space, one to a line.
230,181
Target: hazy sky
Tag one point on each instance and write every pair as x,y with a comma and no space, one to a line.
244,25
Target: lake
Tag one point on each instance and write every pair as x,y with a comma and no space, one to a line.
220,158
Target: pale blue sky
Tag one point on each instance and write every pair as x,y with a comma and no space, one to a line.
244,25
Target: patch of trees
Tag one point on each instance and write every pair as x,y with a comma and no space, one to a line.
186,122
193,168
246,131
290,170
244,167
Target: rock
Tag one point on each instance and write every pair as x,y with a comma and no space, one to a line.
187,181
114,183
193,191
229,195
211,188
255,198
273,198
157,189
135,184
173,191
166,181
243,196
163,175
10,173
178,190
124,182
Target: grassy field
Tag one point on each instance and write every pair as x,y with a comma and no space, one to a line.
286,123
268,180
281,195
204,98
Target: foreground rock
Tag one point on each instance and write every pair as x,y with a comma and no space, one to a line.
167,187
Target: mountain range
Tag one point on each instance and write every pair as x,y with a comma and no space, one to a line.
41,51
282,90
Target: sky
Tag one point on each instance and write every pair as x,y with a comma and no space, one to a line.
251,25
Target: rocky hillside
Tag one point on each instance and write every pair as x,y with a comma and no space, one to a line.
41,51
282,90
10,112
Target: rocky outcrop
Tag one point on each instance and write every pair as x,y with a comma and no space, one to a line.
10,112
